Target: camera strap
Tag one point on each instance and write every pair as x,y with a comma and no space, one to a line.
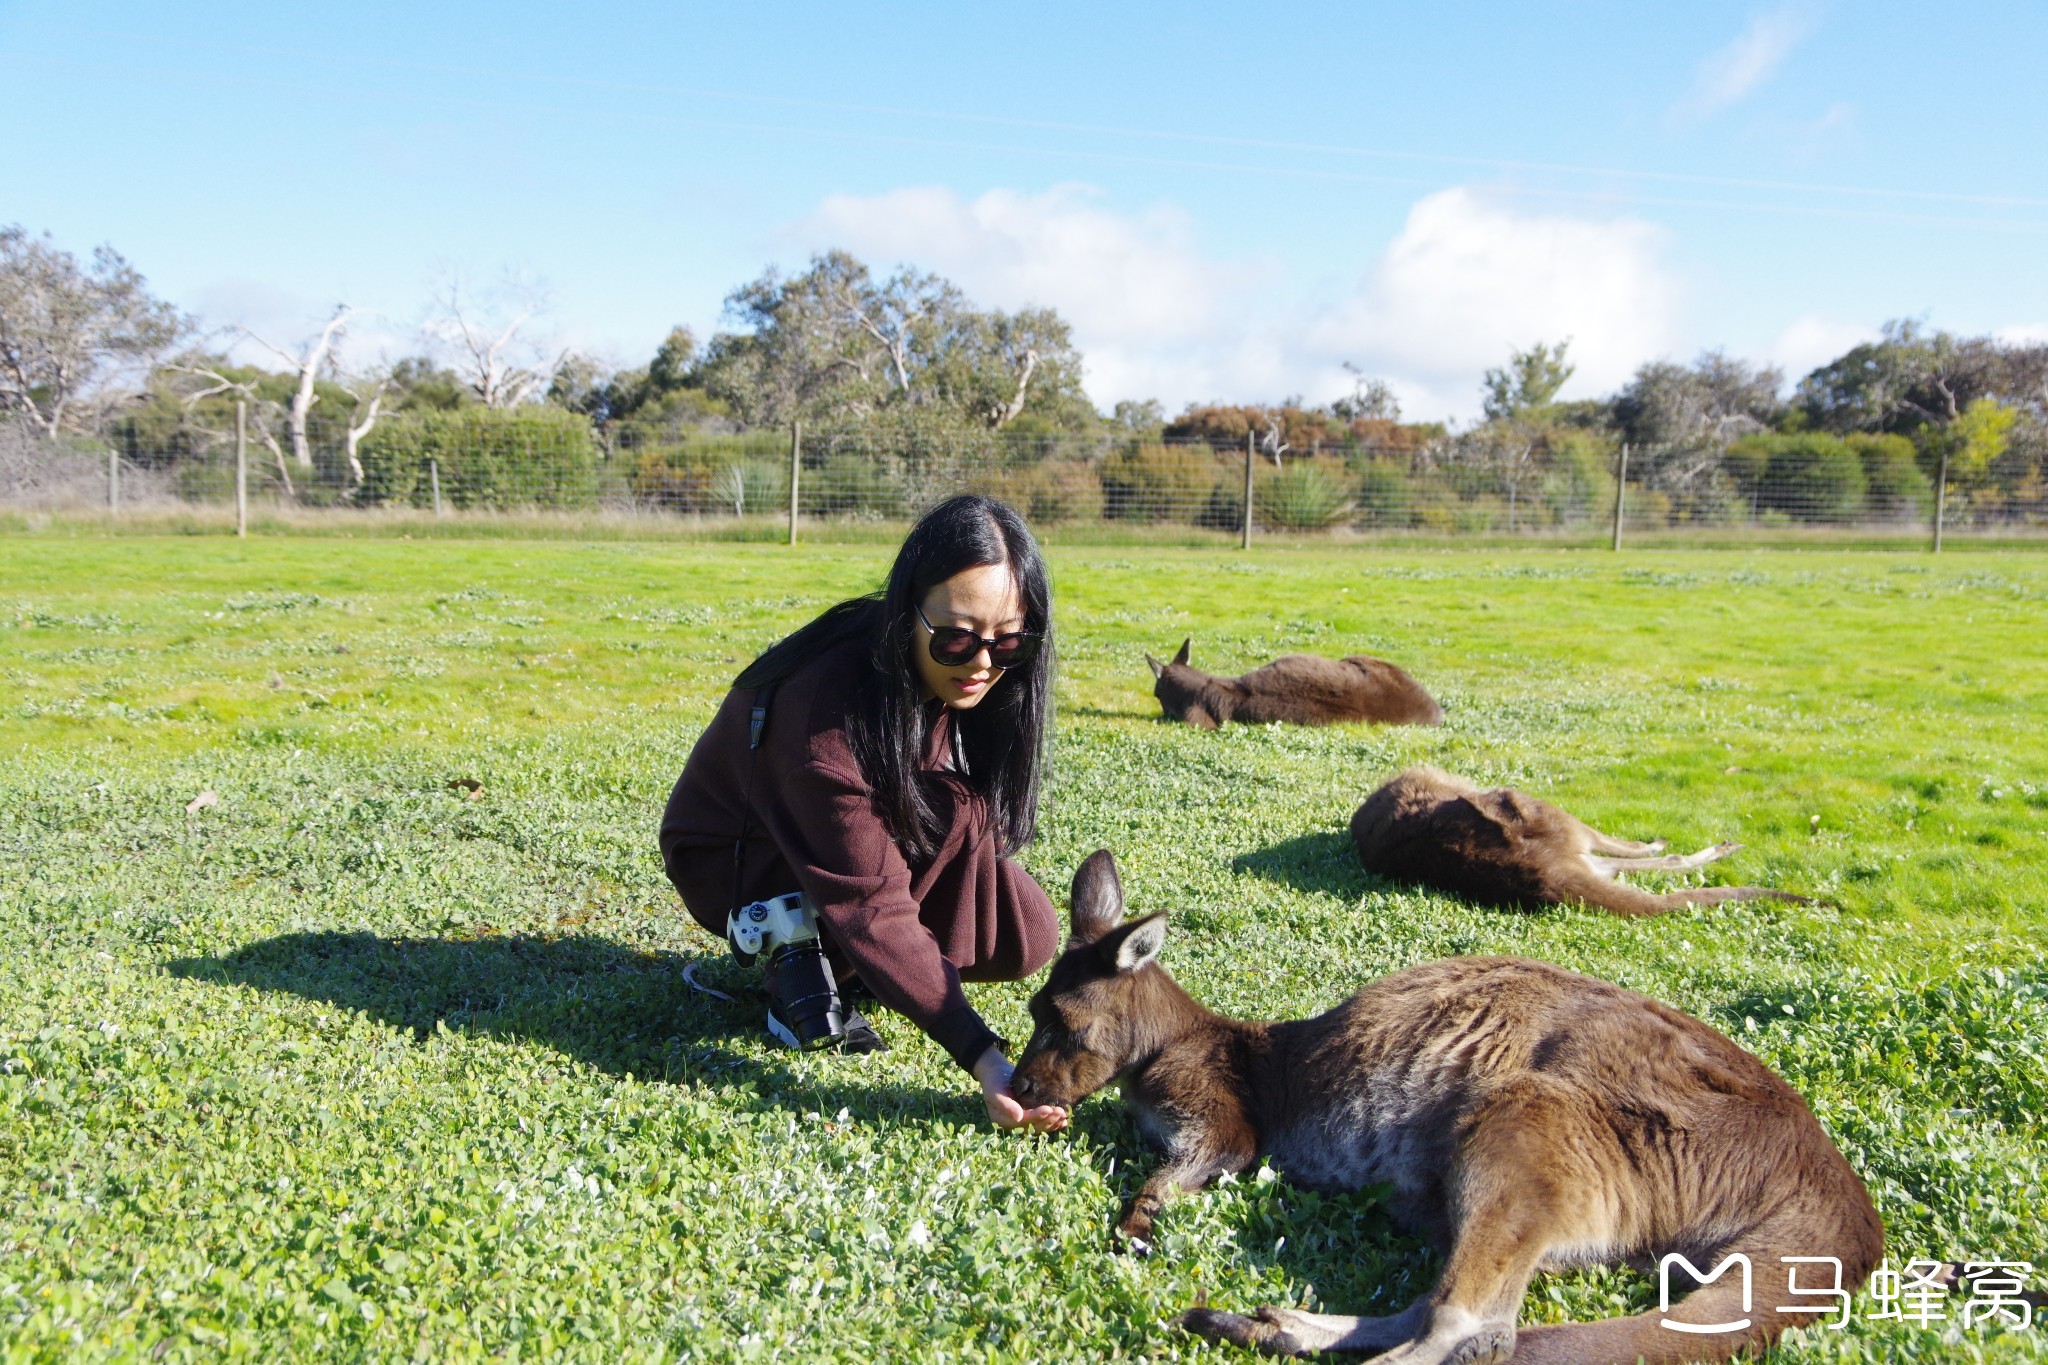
757,721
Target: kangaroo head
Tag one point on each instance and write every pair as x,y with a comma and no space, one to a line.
1106,1005
1178,686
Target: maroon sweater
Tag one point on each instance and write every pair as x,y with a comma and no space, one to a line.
814,827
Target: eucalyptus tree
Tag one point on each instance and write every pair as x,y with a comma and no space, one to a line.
834,344
71,332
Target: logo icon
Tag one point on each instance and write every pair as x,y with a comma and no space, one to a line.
1701,1278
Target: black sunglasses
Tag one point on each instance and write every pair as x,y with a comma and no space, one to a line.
952,646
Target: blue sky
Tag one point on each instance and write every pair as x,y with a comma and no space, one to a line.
1227,203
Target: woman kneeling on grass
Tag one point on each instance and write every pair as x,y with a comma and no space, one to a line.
848,816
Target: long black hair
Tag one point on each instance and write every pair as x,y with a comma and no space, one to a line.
1002,741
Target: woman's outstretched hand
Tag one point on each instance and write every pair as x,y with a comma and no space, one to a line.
993,1071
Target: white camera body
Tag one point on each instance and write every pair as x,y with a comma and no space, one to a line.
764,926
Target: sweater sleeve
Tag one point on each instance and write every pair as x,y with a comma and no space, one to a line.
822,816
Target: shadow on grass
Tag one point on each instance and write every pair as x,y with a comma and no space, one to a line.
627,1012
1325,863
618,1009
1112,712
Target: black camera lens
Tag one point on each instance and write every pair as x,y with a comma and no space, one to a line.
806,996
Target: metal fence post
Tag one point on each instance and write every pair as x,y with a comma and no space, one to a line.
1250,444
434,479
1940,500
1620,494
113,482
241,467
796,453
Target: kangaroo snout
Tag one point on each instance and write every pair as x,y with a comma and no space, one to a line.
1024,1087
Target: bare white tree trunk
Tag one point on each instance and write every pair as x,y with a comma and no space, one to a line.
1272,443
284,475
262,410
485,351
896,343
308,364
358,429
1009,411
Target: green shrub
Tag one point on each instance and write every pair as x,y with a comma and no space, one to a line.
1895,487
1809,475
209,481
657,483
487,457
1304,496
1384,495
1159,483
1578,480
850,485
1052,491
710,475
750,486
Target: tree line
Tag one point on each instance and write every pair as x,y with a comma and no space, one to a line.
902,383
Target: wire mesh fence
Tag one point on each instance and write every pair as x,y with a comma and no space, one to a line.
477,462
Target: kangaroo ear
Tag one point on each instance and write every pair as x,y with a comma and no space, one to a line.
1098,903
1130,946
1182,657
1157,667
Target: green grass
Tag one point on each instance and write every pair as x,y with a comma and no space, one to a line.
352,1066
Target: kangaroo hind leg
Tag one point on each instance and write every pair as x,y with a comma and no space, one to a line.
1525,1189
1620,848
1674,862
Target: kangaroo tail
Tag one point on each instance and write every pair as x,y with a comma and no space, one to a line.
1713,1313
1720,1320
1736,1309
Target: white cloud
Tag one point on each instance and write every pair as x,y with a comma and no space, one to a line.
1150,311
1813,139
1810,342
2024,334
1115,275
1730,74
1466,281
1462,284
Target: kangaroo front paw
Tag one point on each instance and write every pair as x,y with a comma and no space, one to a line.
1133,1235
1257,1333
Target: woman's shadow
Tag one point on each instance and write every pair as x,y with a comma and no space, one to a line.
620,1009
617,1008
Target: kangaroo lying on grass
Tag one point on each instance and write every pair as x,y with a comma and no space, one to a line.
1529,1117
1505,847
1301,689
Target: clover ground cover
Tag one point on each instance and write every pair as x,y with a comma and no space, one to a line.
353,1064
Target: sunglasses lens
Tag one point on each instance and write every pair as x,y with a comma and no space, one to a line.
1011,650
953,646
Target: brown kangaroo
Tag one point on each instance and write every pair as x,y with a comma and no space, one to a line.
1505,847
1301,689
1528,1117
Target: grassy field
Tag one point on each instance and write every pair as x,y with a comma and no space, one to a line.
355,1065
